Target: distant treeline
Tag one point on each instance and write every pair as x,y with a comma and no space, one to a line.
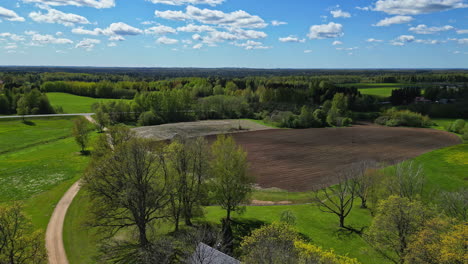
159,98
90,74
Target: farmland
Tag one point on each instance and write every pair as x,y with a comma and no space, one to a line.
301,160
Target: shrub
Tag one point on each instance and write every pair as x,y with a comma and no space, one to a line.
149,119
275,242
309,253
458,126
465,134
393,117
346,121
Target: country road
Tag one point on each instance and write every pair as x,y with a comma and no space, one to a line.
54,233
49,115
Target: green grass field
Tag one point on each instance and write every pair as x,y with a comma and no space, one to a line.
14,134
373,85
380,92
446,169
444,123
42,161
74,103
37,169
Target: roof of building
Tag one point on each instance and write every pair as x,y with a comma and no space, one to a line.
205,254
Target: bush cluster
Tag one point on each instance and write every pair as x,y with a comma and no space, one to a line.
393,118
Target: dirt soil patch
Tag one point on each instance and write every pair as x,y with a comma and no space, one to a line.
198,129
302,160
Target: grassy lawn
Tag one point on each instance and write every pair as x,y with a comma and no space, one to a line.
446,169
380,92
40,161
37,169
373,85
443,123
321,228
277,195
14,134
74,103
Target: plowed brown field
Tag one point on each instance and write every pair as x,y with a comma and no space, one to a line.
301,160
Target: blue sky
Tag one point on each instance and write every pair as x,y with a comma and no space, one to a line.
235,33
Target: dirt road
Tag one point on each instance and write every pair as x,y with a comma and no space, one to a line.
54,235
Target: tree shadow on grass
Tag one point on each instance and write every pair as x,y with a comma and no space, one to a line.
29,123
85,153
349,232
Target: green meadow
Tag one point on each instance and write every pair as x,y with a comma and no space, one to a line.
15,134
39,165
73,103
379,92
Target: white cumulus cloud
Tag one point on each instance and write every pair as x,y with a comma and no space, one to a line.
394,20
423,29
195,28
336,42
330,30
166,41
160,30
88,44
406,38
115,31
188,2
10,15
90,3
240,18
276,23
340,13
54,16
38,39
12,36
416,7
374,40
291,39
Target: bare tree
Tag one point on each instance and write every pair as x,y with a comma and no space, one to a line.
129,187
188,166
407,181
337,199
365,179
455,204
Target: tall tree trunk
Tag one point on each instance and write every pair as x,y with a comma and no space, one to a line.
363,203
142,235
